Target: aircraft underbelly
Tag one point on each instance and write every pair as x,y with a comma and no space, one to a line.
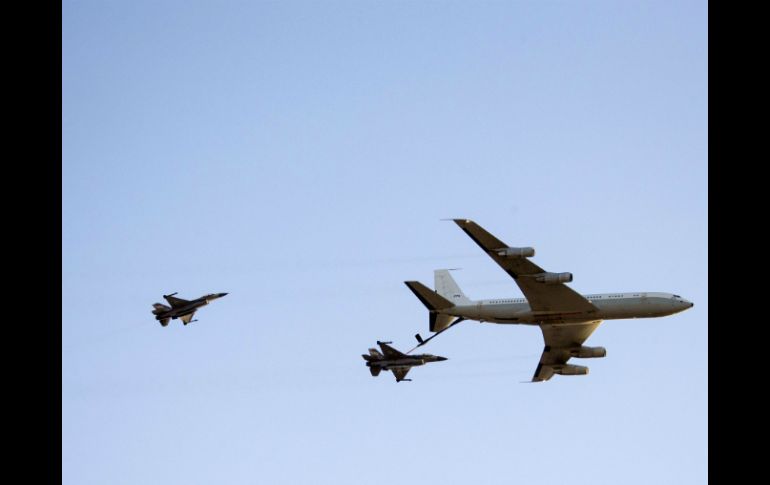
534,318
614,310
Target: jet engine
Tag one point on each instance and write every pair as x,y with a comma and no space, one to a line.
588,352
551,278
572,370
516,252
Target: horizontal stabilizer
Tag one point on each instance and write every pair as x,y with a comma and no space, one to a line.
160,308
432,300
373,354
440,321
375,371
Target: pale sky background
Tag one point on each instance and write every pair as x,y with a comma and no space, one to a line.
300,156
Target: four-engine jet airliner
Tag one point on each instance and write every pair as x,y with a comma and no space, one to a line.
181,309
565,317
395,361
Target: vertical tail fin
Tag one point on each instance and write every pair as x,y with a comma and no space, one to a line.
447,287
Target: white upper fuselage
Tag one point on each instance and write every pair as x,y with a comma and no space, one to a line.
609,306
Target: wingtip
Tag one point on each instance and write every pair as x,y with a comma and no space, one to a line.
458,221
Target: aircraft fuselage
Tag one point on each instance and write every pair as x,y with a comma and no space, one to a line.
408,361
610,306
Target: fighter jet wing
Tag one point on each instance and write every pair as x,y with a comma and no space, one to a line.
559,338
186,318
390,352
553,297
175,302
400,372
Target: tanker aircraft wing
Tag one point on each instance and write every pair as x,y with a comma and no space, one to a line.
563,341
545,292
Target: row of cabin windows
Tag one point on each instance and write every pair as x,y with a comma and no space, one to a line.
590,297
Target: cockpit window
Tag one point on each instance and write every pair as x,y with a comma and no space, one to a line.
677,296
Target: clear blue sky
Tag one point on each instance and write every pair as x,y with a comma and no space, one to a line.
299,155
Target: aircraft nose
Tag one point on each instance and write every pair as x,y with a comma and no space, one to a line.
439,358
222,294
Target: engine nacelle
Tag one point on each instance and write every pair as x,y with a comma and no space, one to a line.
572,370
551,278
588,352
516,252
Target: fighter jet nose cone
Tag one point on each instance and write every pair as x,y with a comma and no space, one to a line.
441,358
223,294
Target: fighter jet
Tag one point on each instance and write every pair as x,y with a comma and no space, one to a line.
395,361
181,309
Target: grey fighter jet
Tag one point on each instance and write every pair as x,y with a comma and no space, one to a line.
395,361
181,309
